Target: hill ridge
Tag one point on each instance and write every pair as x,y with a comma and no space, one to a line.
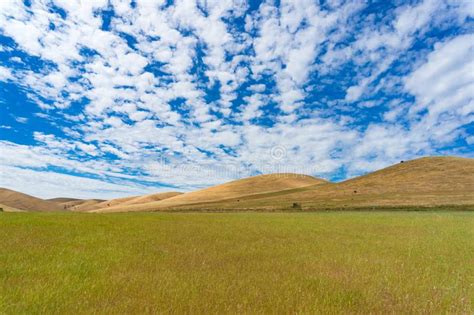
425,181
420,182
264,183
21,201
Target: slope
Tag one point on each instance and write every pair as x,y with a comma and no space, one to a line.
431,181
20,201
63,200
74,204
251,186
4,208
134,200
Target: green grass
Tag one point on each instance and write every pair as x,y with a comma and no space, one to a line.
357,262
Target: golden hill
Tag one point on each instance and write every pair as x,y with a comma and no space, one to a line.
424,182
13,201
90,205
432,181
152,198
20,201
4,208
63,200
247,187
73,204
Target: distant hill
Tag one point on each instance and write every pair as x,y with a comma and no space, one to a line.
134,200
424,182
13,201
4,208
20,201
240,188
151,198
430,181
73,204
421,182
63,200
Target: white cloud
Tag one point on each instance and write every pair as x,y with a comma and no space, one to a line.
381,47
446,81
5,74
47,184
444,87
21,120
288,44
132,115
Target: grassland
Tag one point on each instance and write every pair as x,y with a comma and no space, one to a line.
424,182
359,262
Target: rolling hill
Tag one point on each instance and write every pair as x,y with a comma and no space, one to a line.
71,205
422,182
425,182
4,208
20,201
151,198
245,188
13,201
93,204
63,200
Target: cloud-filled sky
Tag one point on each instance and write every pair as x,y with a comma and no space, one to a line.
113,98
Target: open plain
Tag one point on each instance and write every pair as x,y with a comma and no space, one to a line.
326,262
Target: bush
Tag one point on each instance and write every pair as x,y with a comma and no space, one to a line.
296,205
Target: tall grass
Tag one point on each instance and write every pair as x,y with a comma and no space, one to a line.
361,262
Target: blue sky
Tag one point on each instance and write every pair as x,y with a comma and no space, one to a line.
114,98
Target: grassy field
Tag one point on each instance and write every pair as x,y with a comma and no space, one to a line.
410,262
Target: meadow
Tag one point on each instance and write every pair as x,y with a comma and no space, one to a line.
326,262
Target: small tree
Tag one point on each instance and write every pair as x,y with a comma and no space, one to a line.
296,205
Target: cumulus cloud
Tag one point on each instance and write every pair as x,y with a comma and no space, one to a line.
49,184
445,83
192,93
5,74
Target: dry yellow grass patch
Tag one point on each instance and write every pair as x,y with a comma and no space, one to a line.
246,187
17,200
134,200
423,182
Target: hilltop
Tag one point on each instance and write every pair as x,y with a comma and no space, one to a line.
20,201
242,188
134,200
430,181
424,182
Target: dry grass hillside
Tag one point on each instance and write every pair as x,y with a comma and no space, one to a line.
422,182
247,187
432,181
4,208
71,205
152,198
134,200
20,201
13,201
63,200
91,205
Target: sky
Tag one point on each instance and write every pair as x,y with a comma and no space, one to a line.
103,99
